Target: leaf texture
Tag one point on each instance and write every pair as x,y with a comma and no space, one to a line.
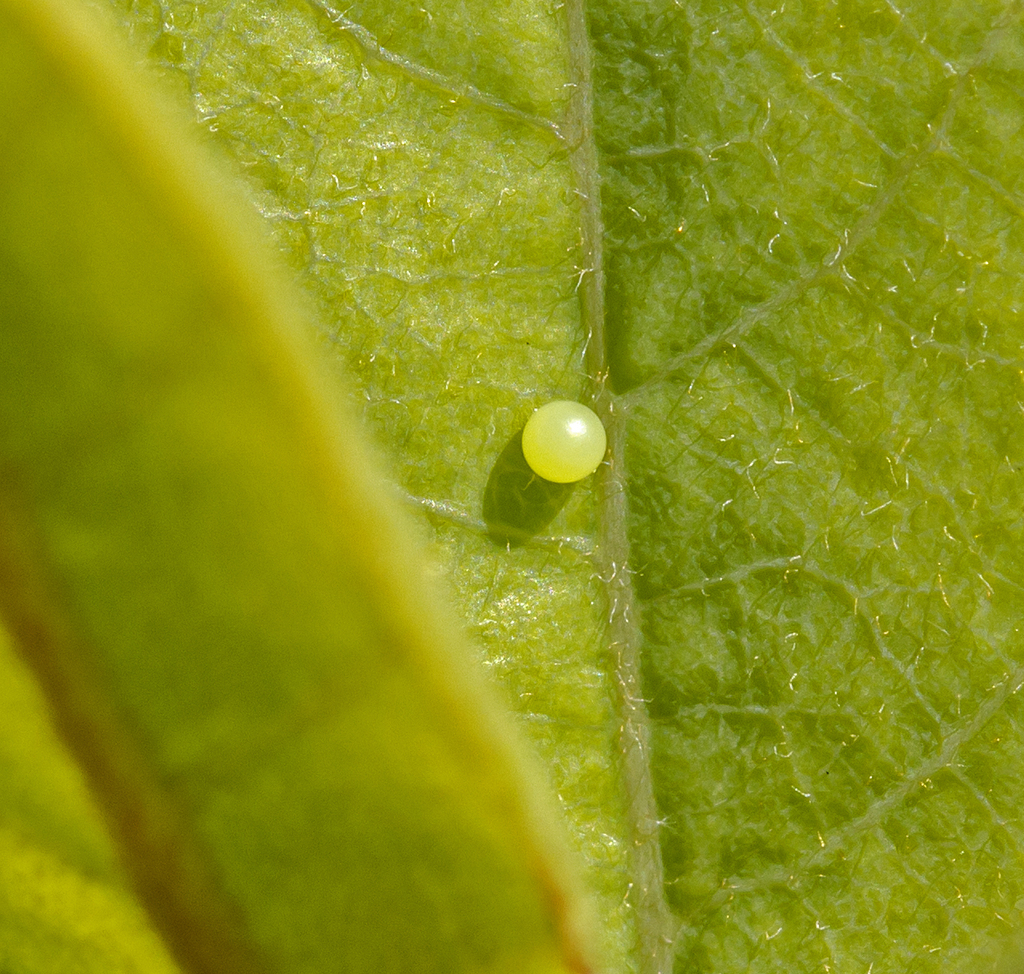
204,571
428,205
786,241
815,256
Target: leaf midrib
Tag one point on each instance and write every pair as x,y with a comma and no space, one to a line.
654,920
613,522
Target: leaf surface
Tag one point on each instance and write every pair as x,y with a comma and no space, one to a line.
232,626
64,903
808,311
816,258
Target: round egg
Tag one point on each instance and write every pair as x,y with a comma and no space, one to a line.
564,441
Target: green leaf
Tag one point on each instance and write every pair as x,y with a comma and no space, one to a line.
63,901
821,359
204,571
771,657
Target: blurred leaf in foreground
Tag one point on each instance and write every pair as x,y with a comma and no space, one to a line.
200,564
812,226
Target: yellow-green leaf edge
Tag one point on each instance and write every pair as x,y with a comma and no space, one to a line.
229,618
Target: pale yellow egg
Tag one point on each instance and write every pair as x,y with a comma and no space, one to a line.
564,441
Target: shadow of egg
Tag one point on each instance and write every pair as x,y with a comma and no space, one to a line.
517,503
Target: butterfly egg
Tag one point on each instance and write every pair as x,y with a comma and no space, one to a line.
564,441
